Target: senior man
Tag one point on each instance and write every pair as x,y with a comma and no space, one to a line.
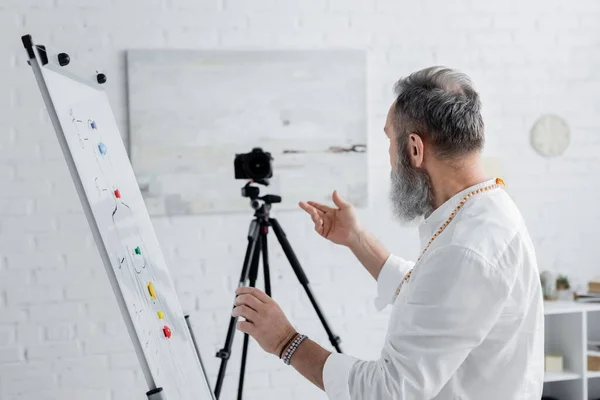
467,318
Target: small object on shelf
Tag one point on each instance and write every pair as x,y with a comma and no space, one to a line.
562,283
548,285
593,363
593,345
594,286
562,288
553,363
587,297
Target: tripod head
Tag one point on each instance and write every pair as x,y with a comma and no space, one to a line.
257,202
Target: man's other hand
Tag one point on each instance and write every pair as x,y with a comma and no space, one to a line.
336,224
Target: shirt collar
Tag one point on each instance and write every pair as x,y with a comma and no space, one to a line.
429,226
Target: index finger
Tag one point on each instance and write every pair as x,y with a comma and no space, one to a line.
307,207
313,212
320,207
259,294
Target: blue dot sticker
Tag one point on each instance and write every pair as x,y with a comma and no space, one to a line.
93,125
102,148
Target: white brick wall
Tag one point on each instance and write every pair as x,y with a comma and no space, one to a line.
61,336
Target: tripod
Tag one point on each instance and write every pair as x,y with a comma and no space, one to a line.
257,237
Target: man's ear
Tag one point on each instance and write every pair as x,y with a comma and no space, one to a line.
416,150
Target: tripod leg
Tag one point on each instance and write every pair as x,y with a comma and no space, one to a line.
243,367
265,257
291,256
225,352
252,282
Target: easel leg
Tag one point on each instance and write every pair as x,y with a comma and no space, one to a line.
195,343
156,394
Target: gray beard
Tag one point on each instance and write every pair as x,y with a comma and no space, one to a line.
411,195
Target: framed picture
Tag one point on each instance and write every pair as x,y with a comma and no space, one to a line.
192,111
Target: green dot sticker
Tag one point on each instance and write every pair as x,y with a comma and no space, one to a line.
138,250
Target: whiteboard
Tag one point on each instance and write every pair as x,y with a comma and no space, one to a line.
107,187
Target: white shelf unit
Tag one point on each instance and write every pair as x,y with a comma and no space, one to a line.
569,327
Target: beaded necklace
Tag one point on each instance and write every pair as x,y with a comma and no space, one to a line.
499,183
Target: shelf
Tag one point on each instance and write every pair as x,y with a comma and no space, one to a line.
595,306
593,374
560,376
593,353
562,307
566,307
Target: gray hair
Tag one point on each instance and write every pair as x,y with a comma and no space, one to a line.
440,105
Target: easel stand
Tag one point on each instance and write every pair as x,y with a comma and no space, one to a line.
257,237
50,73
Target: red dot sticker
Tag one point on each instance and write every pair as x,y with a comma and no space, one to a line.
117,194
167,332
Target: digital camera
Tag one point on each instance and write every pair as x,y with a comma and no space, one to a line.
255,165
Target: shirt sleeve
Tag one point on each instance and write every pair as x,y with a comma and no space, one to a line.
454,300
390,277
335,376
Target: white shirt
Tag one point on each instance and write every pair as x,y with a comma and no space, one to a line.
468,324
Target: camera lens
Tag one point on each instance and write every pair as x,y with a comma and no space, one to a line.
255,165
258,165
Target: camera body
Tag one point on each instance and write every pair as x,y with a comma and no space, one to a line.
255,165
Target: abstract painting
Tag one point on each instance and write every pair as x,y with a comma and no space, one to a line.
192,111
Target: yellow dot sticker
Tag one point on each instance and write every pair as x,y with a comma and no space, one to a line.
151,290
161,315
